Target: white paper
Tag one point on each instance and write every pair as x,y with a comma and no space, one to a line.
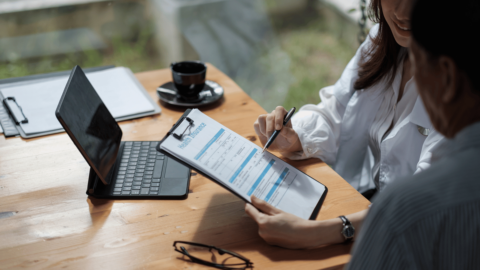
240,165
39,99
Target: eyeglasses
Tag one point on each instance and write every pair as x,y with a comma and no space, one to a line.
204,254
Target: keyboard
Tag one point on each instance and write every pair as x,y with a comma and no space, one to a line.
140,170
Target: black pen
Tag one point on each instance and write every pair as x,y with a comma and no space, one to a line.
276,132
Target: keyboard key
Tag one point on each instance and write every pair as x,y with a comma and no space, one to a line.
122,168
148,172
141,167
150,160
137,143
133,163
130,171
126,192
136,151
138,178
153,192
142,162
152,156
146,143
117,189
129,175
117,185
155,184
135,192
128,143
143,154
154,188
139,175
145,185
147,176
117,193
149,168
156,180
137,183
127,185
136,187
131,167
122,176
144,191
123,164
143,158
121,172
119,181
150,164
134,155
140,170
147,181
126,188
160,157
153,144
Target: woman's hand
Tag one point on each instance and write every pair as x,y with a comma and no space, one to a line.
282,229
266,124
279,228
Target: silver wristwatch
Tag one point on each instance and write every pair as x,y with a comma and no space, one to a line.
348,231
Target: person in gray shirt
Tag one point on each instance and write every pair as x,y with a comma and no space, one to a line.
432,219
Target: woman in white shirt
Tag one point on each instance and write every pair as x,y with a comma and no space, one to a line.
371,127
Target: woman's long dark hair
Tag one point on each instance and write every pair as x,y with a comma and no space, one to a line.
380,60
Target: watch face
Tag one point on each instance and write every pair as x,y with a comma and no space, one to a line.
348,231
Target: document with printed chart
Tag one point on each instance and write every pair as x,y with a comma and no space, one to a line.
240,166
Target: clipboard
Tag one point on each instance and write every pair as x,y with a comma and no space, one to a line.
40,124
8,115
185,120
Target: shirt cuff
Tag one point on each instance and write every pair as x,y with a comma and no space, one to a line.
308,150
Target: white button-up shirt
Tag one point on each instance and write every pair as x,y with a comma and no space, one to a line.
368,137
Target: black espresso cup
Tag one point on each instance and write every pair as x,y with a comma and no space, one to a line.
189,78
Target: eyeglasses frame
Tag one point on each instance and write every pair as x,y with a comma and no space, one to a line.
221,251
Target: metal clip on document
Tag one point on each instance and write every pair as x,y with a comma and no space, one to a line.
190,123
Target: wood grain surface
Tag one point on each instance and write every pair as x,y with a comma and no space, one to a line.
48,222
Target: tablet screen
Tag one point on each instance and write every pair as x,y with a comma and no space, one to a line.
89,124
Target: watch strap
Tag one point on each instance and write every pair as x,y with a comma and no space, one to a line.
345,220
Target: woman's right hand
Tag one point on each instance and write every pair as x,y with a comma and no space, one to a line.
287,140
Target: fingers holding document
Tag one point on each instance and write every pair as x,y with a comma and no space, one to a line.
266,124
279,228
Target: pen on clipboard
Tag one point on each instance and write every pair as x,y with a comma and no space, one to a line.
276,132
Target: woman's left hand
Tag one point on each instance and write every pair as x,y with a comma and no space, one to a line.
279,228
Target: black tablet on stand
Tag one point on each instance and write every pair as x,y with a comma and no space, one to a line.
118,169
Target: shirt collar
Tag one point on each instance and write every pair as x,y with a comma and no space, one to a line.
465,139
419,115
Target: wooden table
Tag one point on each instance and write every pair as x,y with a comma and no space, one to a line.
47,221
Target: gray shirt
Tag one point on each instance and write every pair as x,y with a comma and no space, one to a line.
430,220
